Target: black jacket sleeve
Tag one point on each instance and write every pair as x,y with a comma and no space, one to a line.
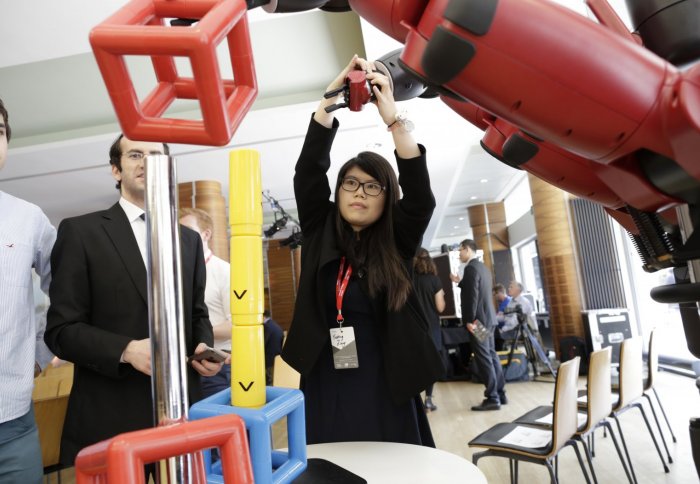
69,333
469,297
414,210
311,188
202,331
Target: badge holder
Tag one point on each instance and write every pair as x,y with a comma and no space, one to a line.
343,338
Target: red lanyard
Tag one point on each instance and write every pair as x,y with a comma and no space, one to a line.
341,284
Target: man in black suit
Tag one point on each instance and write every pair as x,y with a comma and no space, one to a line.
98,318
477,305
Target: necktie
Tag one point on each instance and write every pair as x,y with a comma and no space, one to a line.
143,217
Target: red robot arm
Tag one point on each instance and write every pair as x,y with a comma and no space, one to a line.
580,104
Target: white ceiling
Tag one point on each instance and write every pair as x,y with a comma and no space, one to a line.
63,123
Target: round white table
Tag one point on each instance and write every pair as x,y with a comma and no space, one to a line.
389,463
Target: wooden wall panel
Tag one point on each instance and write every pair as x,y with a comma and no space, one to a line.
281,272
558,259
490,232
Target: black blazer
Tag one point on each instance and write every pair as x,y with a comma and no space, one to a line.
476,286
411,361
99,304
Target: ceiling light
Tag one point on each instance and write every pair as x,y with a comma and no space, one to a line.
461,218
483,180
452,235
456,227
473,197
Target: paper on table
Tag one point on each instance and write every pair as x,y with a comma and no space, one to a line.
527,437
547,419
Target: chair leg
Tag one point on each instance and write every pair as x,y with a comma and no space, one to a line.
552,474
658,426
510,470
515,464
607,426
573,444
624,446
591,443
663,412
589,458
651,432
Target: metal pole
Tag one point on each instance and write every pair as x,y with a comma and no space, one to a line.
165,307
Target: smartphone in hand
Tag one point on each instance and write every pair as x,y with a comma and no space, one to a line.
210,354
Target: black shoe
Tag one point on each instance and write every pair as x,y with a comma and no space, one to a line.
487,404
503,399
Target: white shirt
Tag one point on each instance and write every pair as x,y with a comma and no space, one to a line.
26,240
217,295
512,318
138,226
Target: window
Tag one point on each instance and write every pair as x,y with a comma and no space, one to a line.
526,266
649,313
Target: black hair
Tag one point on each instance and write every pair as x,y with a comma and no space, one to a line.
423,263
468,243
6,118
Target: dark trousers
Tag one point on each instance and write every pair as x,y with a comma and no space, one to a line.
20,453
214,384
489,367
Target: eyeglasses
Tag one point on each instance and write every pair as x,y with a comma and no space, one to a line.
373,189
138,155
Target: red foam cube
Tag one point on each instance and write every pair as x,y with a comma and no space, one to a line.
122,458
139,29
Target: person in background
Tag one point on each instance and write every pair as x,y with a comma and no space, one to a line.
502,300
274,335
217,295
432,298
358,336
477,305
515,291
26,239
98,316
517,298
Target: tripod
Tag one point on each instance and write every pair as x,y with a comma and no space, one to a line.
533,350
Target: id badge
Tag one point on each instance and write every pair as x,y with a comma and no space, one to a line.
344,348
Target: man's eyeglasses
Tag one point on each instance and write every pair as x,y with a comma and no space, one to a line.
373,189
138,155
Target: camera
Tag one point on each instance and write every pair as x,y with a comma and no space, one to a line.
518,309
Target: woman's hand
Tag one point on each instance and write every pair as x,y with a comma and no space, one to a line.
406,147
381,87
356,63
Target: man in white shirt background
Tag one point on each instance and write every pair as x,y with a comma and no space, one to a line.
515,291
217,295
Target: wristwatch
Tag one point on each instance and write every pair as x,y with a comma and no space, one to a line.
401,121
